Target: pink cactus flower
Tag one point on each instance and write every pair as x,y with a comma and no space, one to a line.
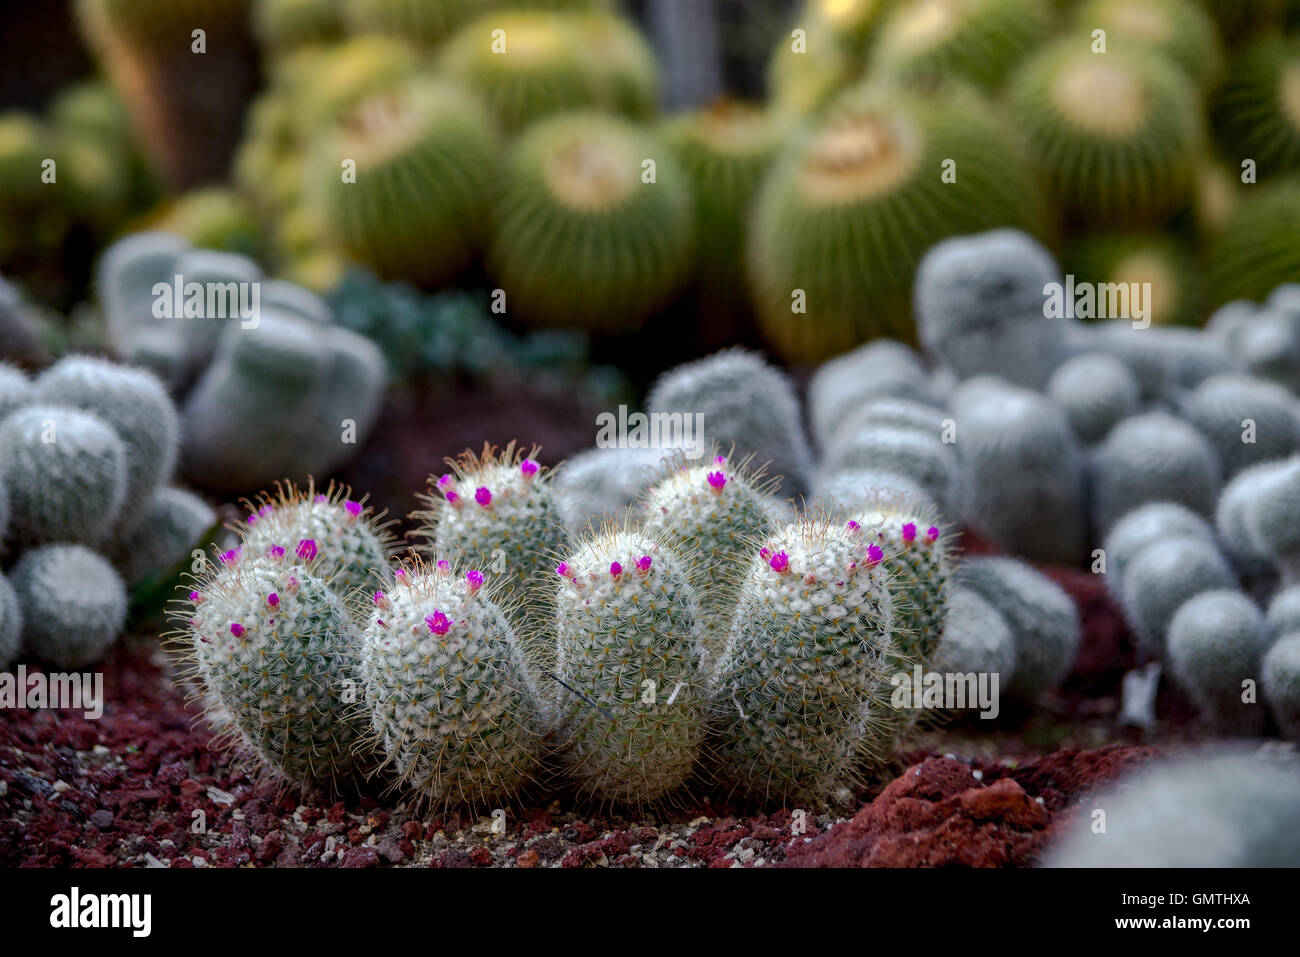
306,549
528,467
352,508
932,533
380,599
273,599
780,562
195,597
483,496
452,497
875,554
643,564
237,629
717,480
615,569
438,623
562,569
475,579
909,532
276,551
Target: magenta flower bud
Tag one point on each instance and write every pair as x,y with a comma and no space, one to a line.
380,598
252,519
230,556
909,532
444,481
780,562
643,563
195,597
475,579
265,510
717,480
306,549
615,569
764,552
452,497
483,496
562,569
438,623
293,584
273,599
854,526
721,460
237,629
932,533
528,467
353,508
874,554
276,551
443,566
322,498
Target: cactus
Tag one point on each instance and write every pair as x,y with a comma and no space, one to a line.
1172,293
450,701
131,401
1255,253
920,456
580,239
1257,110
801,81
621,61
347,542
125,280
1233,520
1283,615
1096,391
24,147
66,474
171,523
275,646
1268,517
1153,457
976,40
498,511
976,639
1042,618
746,404
852,24
1024,470
845,215
630,656
1144,525
1111,136
15,389
416,21
806,663
1216,642
423,132
1161,816
1281,682
73,604
284,25
845,491
1160,578
1246,419
11,624
878,369
710,515
1178,29
980,307
894,413
1165,361
601,484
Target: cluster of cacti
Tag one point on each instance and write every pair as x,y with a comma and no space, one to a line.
270,385
87,450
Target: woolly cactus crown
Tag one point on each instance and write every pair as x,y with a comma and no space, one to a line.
1216,641
73,604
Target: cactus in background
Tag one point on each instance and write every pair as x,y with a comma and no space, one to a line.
601,484
1257,110
622,62
804,669
347,542
66,474
1216,642
1247,420
894,413
1144,525
1250,802
710,515
1268,518
844,492
275,646
1024,470
1160,578
976,639
1096,391
976,40
747,405
134,404
15,389
579,238
1174,293
1166,361
153,547
1281,682
920,456
498,511
1111,136
853,203
1042,618
1180,29
1256,251
800,82
424,23
882,368
630,655
11,624
851,23
73,604
1149,458
285,25
422,131
981,307
1283,616
1232,518
450,701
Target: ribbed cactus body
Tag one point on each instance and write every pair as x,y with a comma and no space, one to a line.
1247,420
1269,518
135,404
1283,615
15,388
882,368
1280,675
805,664
450,701
276,647
627,626
599,485
845,491
1216,642
1145,525
164,532
1234,521
73,604
66,474
976,639
745,403
1161,577
1096,391
1166,361
919,455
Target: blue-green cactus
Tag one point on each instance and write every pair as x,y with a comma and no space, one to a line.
1247,420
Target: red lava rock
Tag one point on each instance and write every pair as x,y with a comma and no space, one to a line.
720,862
310,815
361,857
271,847
393,850
413,830
102,819
355,836
481,856
453,858
529,858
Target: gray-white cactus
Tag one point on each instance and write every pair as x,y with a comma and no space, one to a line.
1216,643
1247,420
1096,391
73,604
880,369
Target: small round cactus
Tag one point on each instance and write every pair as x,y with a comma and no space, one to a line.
1165,360
449,698
135,404
1270,518
1234,522
11,624
878,369
1216,643
73,604
1153,457
171,523
1281,681
1097,391
601,484
1041,616
1247,420
921,456
15,389
747,405
1178,29
845,491
1283,615
276,648
976,639
498,511
630,656
66,474
1144,525
1161,577
1024,470
805,667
